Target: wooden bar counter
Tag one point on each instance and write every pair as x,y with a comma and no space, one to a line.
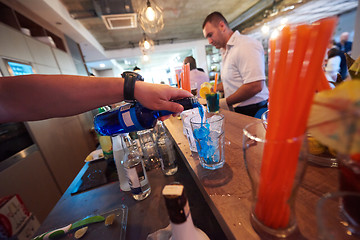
220,200
228,190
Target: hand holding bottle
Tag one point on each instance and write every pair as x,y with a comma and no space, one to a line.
158,96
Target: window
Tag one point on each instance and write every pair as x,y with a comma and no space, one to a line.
16,68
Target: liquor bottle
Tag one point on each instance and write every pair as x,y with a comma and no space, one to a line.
105,141
134,117
121,152
166,150
182,226
136,175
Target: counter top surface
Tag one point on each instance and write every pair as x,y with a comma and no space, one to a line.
219,200
229,190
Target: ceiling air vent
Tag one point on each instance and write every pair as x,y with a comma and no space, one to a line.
120,21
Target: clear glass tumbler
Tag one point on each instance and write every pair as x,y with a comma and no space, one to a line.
275,169
209,137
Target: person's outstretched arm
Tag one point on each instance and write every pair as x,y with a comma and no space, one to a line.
37,97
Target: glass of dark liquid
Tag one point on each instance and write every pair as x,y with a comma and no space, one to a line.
338,214
349,168
212,102
334,221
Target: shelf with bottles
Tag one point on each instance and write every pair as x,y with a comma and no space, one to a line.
213,58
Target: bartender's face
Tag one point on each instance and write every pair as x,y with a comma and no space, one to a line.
214,34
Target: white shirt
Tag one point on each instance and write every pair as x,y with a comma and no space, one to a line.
197,78
332,68
243,62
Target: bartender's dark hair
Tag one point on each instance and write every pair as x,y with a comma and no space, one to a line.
215,18
191,61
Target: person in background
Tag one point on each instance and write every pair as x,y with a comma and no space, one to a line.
332,66
136,69
242,66
345,47
197,77
37,97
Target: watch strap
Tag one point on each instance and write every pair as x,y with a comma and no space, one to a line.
129,84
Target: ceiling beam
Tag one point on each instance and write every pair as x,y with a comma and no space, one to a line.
251,12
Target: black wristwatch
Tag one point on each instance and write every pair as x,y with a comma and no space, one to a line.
129,84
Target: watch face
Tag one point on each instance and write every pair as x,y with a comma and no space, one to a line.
130,101
132,75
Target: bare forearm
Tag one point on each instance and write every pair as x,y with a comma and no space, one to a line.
245,92
35,97
220,87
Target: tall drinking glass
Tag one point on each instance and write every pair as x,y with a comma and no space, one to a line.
212,102
209,135
274,187
333,218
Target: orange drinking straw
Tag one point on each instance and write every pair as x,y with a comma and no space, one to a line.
182,80
216,78
294,69
188,87
177,80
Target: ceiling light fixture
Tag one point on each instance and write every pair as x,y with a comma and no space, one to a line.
151,18
146,45
283,21
149,13
145,58
265,29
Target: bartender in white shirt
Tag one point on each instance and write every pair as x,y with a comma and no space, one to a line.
242,68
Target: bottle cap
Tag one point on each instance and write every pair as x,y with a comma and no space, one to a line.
176,203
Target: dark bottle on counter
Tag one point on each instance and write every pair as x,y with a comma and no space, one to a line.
182,226
134,117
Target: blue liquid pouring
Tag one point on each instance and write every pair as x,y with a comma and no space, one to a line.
206,147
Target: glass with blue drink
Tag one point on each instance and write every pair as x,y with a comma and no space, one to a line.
209,136
212,102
